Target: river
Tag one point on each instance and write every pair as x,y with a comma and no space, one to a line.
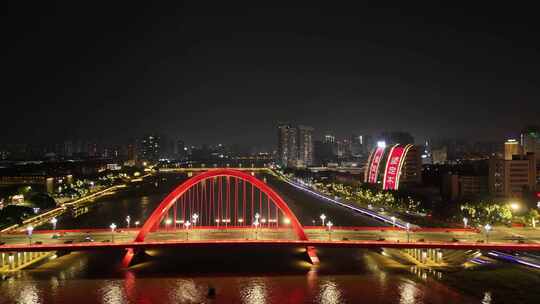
236,275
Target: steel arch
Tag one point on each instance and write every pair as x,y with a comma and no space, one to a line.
170,199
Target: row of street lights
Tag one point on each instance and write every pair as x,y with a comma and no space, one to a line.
487,227
329,225
30,229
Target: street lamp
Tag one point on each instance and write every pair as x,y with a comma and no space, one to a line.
167,223
329,225
257,216
465,221
286,221
487,227
393,218
256,224
195,217
186,225
128,220
323,217
137,224
113,227
408,226
29,230
53,222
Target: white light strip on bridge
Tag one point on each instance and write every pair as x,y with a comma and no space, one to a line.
361,210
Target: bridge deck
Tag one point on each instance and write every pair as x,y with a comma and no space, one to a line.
355,237
277,243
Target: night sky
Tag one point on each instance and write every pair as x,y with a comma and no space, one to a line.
210,74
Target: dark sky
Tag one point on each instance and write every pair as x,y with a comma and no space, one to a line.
208,73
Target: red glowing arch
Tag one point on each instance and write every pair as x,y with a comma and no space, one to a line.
164,206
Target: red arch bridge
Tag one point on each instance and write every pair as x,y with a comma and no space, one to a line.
231,207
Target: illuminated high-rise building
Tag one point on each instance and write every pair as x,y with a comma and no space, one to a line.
287,145
511,148
305,146
530,141
150,148
513,177
329,138
295,146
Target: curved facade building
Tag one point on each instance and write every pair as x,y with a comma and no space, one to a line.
394,165
374,162
401,164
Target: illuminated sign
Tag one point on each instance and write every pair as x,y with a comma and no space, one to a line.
374,164
395,161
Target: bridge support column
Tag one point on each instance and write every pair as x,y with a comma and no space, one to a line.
424,256
126,261
11,260
312,255
439,256
17,259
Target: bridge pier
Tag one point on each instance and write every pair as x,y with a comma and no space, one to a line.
14,261
434,255
439,258
423,256
312,255
128,257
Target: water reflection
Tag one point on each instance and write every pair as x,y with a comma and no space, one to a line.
373,266
29,295
254,292
111,292
55,284
186,291
329,293
424,273
487,298
408,292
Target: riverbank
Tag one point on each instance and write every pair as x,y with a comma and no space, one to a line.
48,215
